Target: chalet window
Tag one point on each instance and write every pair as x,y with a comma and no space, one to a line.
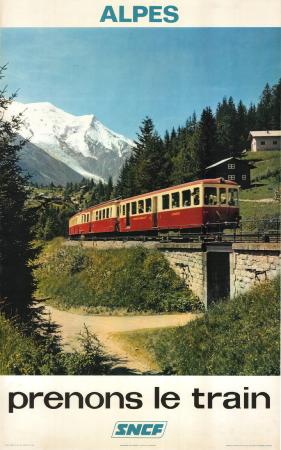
165,201
262,142
231,177
231,166
244,177
186,198
148,205
274,142
175,200
134,207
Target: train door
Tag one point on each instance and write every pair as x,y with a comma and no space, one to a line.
154,212
128,219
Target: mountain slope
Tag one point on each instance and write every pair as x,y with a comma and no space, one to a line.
43,169
81,143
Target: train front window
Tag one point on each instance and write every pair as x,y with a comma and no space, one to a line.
140,206
134,207
165,201
233,197
186,198
222,196
148,205
196,196
210,196
175,200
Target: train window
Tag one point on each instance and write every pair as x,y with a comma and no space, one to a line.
166,201
232,197
88,217
186,198
210,196
196,196
103,213
123,210
222,196
107,213
97,215
175,200
100,214
140,206
134,207
148,205
110,212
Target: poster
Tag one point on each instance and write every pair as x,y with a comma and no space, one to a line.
179,320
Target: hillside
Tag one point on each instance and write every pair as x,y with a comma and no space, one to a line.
261,200
238,337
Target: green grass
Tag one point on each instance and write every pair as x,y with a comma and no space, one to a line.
263,189
133,279
238,337
255,211
262,155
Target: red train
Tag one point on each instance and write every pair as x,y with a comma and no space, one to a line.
189,206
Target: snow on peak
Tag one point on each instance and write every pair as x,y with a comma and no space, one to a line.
81,142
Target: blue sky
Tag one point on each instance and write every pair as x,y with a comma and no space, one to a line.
122,75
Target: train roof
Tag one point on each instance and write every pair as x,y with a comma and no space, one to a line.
180,186
148,194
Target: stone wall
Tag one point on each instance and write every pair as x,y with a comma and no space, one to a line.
189,262
252,264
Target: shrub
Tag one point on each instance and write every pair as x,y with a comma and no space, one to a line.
22,355
134,279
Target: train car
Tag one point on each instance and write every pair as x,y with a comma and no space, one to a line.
187,206
102,218
207,203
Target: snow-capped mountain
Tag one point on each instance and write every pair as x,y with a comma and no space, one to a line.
81,143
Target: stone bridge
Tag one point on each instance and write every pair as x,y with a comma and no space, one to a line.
211,270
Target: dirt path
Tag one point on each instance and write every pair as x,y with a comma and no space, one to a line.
105,326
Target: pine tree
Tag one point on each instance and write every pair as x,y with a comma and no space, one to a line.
16,285
264,109
276,106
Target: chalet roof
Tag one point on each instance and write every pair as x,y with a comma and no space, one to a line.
219,162
265,133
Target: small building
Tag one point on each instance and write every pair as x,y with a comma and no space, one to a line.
232,169
265,140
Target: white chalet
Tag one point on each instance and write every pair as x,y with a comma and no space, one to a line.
265,140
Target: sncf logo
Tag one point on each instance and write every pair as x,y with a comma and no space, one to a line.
139,429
